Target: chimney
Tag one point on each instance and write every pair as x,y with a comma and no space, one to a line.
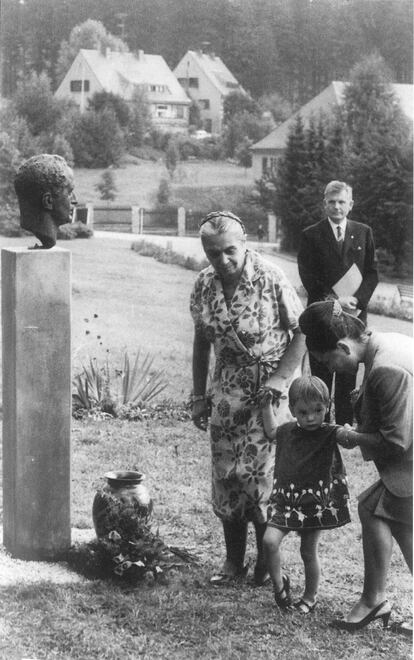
140,55
107,53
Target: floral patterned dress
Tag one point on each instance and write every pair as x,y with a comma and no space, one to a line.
249,337
310,487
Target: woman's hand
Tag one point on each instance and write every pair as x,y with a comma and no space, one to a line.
343,437
200,414
268,395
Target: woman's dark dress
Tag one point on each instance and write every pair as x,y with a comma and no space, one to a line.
310,488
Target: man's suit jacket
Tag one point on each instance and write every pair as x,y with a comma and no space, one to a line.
321,263
385,407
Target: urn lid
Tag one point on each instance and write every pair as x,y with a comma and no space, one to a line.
124,477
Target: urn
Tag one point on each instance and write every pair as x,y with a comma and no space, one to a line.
122,505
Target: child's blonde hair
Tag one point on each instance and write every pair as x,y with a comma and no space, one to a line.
308,388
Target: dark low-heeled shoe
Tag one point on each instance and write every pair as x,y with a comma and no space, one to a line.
282,597
352,626
261,576
222,579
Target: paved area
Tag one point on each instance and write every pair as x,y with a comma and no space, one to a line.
191,247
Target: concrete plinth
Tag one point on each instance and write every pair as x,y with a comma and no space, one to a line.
36,321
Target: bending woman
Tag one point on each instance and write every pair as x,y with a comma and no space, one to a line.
384,414
248,311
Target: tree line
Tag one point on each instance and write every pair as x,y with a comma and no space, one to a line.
293,47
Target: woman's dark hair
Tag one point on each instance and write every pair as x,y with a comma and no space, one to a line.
324,323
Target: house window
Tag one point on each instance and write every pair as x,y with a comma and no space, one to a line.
205,104
264,165
76,85
193,82
208,125
158,88
180,112
161,110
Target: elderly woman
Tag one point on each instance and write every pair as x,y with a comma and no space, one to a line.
248,311
383,409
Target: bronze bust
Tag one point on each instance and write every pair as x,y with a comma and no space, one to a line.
44,188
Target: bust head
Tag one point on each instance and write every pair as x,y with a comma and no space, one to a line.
44,188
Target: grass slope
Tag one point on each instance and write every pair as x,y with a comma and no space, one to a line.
138,183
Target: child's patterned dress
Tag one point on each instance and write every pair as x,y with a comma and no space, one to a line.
310,488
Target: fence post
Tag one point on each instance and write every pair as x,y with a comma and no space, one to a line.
271,228
181,221
135,220
89,217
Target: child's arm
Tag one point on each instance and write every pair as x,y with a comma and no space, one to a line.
269,420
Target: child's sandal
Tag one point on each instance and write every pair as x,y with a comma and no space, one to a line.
303,607
282,597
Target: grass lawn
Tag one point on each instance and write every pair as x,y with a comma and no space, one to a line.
140,302
138,184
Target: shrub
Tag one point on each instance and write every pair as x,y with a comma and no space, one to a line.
34,101
106,185
74,230
108,100
164,192
168,256
172,156
96,139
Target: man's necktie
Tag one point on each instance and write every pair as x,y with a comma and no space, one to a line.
340,239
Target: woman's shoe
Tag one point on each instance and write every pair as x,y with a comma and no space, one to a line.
352,626
282,597
222,579
304,607
261,576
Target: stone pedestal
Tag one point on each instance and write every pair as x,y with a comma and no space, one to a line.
36,321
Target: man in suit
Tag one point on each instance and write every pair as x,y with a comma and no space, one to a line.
327,251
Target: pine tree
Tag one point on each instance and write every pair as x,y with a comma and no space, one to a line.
290,183
378,159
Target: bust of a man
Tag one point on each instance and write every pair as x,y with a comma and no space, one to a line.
44,188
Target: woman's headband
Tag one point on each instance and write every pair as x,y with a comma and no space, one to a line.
221,214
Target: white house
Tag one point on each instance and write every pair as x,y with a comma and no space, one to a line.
122,73
207,80
267,151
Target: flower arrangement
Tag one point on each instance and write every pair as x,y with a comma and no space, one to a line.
130,551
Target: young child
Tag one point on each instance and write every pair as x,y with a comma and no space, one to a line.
310,490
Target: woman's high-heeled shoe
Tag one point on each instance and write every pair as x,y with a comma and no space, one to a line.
376,613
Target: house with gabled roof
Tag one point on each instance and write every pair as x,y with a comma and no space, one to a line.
207,80
122,73
267,151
